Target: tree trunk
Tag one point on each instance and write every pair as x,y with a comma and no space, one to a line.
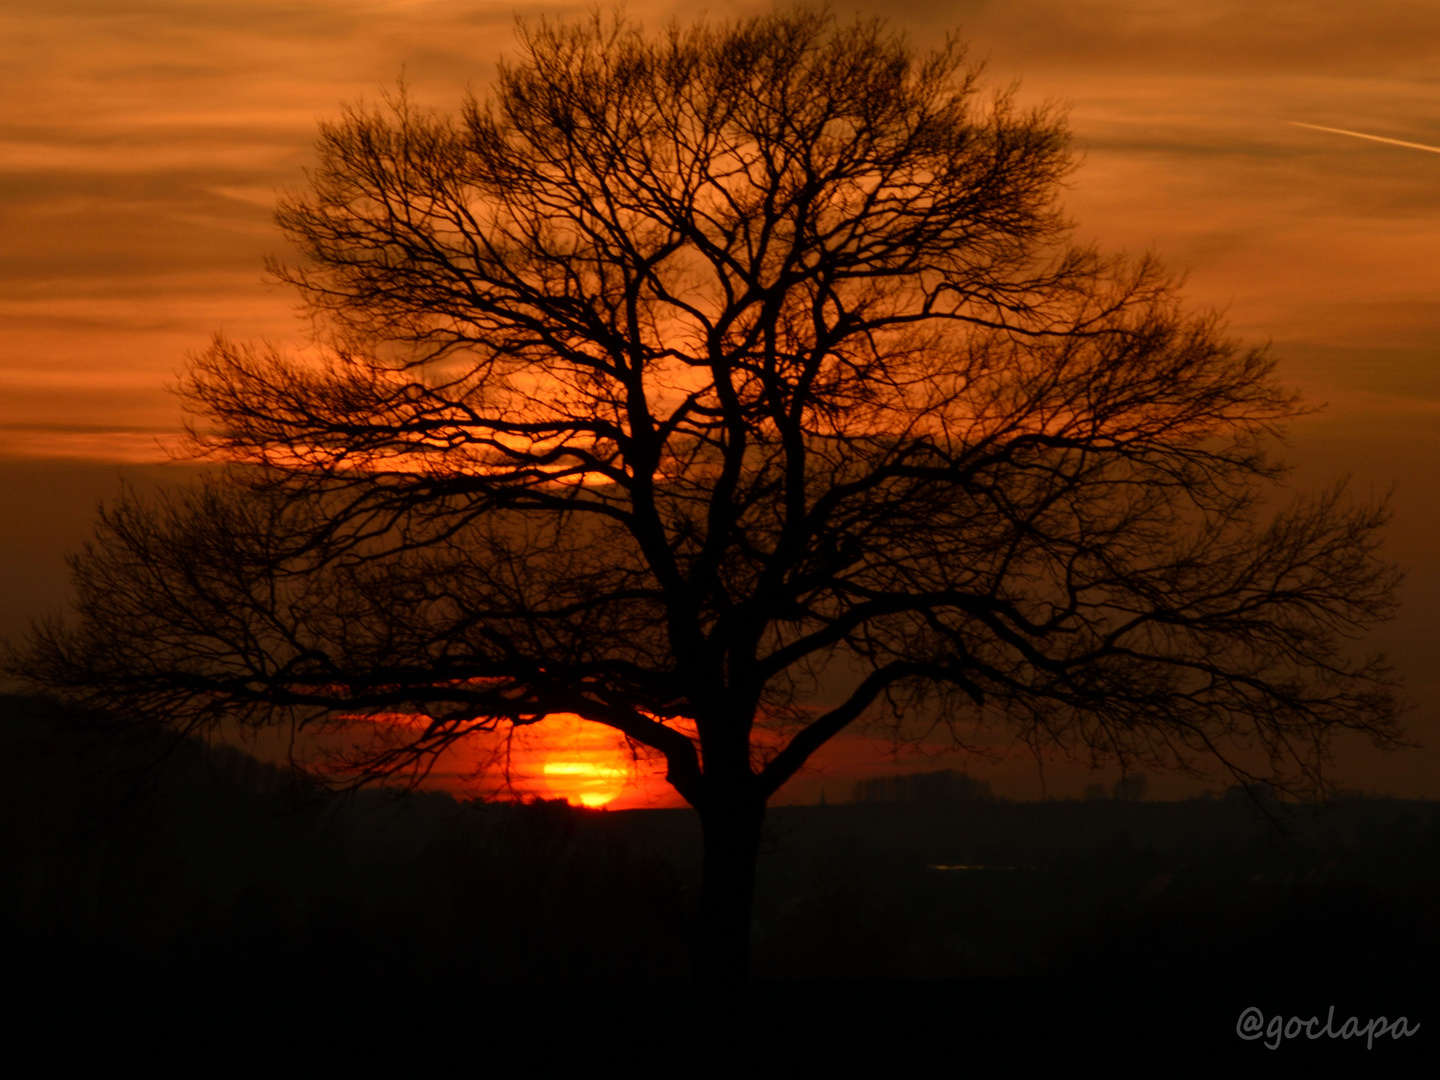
721,943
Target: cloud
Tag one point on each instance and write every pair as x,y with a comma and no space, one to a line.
142,145
1233,37
51,442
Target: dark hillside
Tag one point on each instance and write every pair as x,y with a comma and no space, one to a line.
223,867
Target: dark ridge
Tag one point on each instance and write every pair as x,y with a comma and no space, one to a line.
224,872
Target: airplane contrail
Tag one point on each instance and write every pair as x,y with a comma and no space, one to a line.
1362,135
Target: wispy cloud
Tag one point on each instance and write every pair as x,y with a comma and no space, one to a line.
140,151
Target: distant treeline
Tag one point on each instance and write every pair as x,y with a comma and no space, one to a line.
1129,788
941,786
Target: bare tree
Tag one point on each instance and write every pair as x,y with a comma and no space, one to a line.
726,387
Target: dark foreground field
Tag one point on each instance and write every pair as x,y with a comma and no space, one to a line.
876,924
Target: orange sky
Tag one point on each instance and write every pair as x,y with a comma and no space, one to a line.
141,143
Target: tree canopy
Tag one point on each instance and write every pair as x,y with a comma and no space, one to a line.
727,386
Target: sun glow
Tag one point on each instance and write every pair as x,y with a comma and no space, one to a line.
560,756
590,783
586,764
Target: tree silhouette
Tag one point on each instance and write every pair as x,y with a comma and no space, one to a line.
725,387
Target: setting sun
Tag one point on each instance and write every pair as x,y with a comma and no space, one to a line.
584,763
590,783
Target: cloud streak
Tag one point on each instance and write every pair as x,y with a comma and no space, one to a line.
1362,135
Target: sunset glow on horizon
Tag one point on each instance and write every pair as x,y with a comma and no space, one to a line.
588,783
